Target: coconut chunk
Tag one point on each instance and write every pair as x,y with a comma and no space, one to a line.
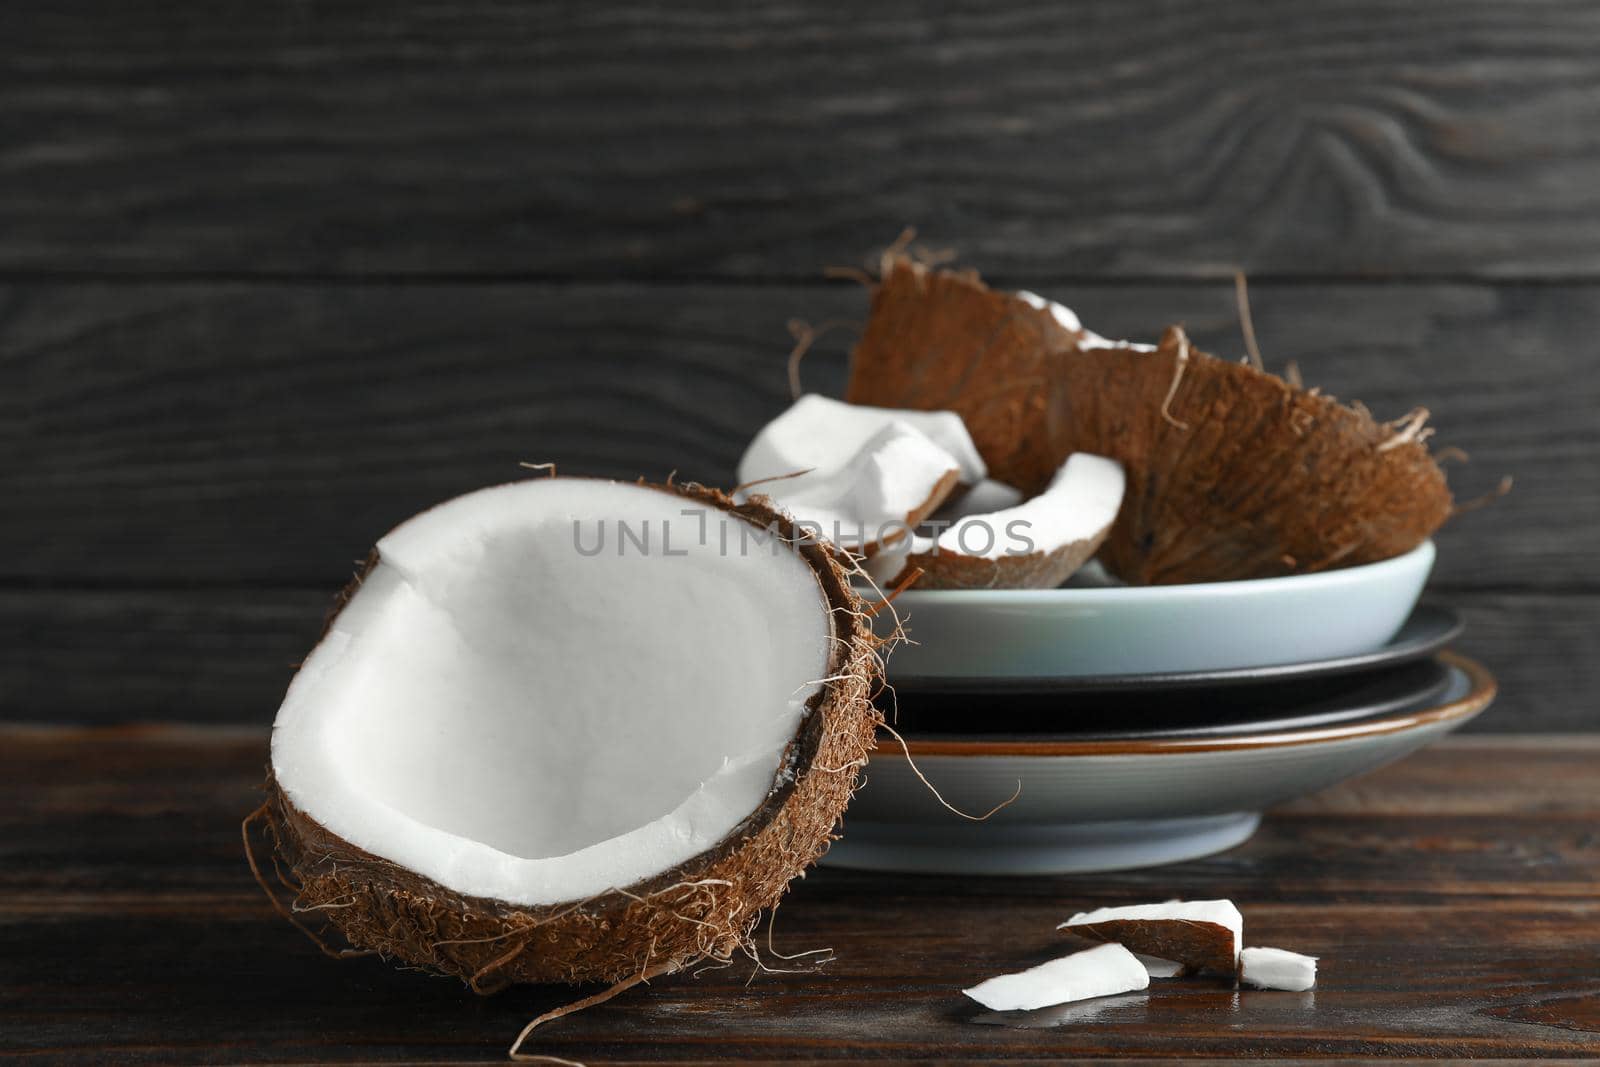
1095,972
1037,544
1276,968
575,716
896,479
821,434
1202,934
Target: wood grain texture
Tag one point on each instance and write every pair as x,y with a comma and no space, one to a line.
225,656
1148,139
224,434
132,933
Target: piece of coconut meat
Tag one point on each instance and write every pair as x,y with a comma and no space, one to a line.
1095,972
896,479
1276,968
1038,543
822,434
1202,934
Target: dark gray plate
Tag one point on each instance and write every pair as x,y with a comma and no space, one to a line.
1430,628
1145,714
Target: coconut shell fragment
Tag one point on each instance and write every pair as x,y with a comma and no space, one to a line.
702,908
1203,935
1232,472
1036,544
942,340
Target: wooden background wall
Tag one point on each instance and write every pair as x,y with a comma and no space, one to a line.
275,275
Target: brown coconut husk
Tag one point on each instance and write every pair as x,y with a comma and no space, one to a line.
937,495
942,340
1232,472
1198,946
704,909
943,569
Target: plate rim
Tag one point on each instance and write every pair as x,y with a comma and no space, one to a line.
1354,697
1482,688
1240,587
1046,684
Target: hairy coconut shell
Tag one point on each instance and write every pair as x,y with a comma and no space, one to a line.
705,908
942,340
943,569
1232,472
1201,946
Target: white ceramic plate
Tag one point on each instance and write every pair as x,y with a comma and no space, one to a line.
1212,626
1088,805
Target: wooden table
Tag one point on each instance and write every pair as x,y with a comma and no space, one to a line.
1452,898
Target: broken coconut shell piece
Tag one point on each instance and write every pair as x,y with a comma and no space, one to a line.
1095,972
1232,472
1203,935
879,495
821,434
1276,968
1036,544
512,760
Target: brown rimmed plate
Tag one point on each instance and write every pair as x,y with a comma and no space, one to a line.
1429,628
1198,712
1074,804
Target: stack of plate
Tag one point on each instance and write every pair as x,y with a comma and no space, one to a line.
1138,726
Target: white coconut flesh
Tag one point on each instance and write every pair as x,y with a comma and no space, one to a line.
1095,972
520,720
822,434
1080,503
1276,968
892,482
1068,319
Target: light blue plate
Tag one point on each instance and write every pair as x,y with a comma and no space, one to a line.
1073,632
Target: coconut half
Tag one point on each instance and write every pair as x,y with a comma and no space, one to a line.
572,730
895,481
820,433
1232,472
1036,544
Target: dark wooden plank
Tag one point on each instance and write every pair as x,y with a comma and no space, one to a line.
1136,139
131,932
239,434
225,656
209,656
